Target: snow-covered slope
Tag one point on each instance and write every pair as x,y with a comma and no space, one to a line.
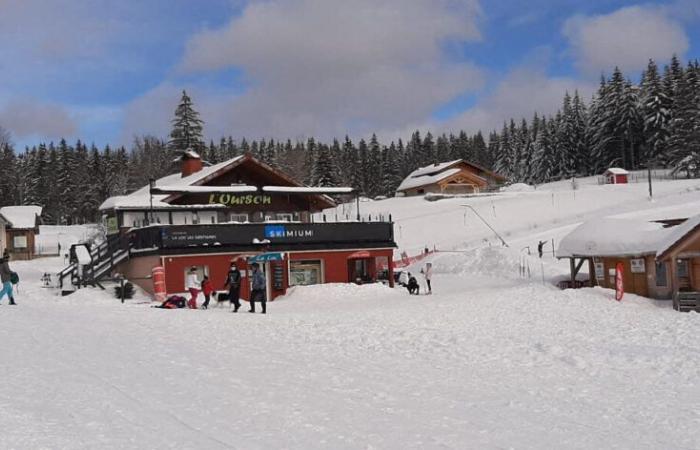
493,359
447,225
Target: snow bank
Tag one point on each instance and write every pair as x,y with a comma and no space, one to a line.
518,187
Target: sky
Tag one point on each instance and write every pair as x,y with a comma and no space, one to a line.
106,71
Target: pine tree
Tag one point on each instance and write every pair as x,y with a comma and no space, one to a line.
684,140
323,173
374,167
187,127
390,171
656,114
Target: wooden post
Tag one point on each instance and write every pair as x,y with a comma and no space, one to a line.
572,266
591,272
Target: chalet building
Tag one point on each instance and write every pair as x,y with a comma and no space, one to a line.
19,225
454,177
660,260
241,210
616,175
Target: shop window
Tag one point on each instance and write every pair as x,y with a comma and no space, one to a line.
661,279
304,273
239,218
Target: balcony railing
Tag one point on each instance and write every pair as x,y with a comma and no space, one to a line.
264,235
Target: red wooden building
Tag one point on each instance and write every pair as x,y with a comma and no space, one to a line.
616,175
242,210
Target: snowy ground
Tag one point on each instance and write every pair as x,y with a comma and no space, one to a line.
490,360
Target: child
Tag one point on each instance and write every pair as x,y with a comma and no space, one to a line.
207,290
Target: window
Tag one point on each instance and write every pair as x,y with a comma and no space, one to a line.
19,242
287,217
304,273
661,274
239,218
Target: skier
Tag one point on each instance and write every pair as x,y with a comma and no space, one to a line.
207,290
412,286
540,248
6,276
403,278
192,284
233,281
428,275
258,292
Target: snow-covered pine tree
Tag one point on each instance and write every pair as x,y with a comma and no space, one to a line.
442,149
309,160
187,127
480,152
323,172
427,154
363,164
656,110
9,171
545,159
684,140
391,177
374,167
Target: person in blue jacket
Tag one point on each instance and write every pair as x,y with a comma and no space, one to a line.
6,280
259,288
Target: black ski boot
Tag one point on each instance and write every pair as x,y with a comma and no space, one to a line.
12,301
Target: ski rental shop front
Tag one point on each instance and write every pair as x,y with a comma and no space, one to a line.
245,211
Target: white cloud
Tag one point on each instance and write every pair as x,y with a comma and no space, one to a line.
520,94
626,38
327,67
25,118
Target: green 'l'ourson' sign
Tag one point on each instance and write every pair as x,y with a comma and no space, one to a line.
226,198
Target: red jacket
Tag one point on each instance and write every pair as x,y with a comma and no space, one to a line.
206,287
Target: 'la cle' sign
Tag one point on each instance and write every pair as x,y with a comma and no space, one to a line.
233,199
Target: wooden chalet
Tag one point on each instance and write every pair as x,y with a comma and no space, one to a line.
661,259
453,177
243,210
19,225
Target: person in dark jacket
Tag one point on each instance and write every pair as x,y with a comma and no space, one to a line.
6,280
412,286
233,281
258,291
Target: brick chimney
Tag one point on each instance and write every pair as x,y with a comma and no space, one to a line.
190,162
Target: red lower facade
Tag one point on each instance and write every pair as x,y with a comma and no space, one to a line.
295,268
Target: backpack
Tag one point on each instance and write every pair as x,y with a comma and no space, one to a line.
14,278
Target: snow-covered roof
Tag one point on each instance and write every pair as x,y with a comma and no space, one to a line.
414,181
308,190
613,237
433,168
141,198
206,189
617,171
623,237
677,233
21,217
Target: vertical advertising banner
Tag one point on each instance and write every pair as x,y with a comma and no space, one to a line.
619,285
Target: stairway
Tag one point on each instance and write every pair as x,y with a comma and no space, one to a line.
104,258
687,301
